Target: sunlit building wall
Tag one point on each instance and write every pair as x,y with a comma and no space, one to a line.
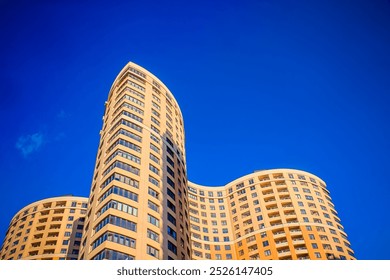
279,214
138,206
141,205
49,229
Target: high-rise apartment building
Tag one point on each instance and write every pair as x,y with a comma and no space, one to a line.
138,204
141,205
49,229
280,214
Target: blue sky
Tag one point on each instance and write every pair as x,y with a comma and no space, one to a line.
261,84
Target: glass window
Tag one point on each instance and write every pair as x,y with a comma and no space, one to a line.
152,251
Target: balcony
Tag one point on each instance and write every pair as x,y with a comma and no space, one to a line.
269,199
50,251
274,216
288,205
281,243
38,236
51,243
40,228
284,253
263,178
276,223
272,207
301,250
53,235
35,245
298,241
47,205
267,192
295,232
61,204
54,227
279,234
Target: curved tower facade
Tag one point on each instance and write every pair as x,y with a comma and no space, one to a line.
49,229
138,206
141,205
278,214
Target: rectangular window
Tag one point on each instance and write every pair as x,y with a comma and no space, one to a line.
170,161
153,206
152,235
171,205
170,182
154,181
108,254
340,249
154,158
119,191
118,222
152,192
122,165
114,237
153,220
170,193
170,171
154,148
152,251
154,169
121,178
171,232
119,206
171,219
172,247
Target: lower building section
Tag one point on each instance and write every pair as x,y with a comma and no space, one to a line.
49,229
278,214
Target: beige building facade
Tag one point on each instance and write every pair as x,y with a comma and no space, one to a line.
277,214
49,229
141,205
138,206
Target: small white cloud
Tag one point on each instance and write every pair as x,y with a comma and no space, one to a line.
29,143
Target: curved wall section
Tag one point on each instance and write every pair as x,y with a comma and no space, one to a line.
279,214
138,207
49,229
